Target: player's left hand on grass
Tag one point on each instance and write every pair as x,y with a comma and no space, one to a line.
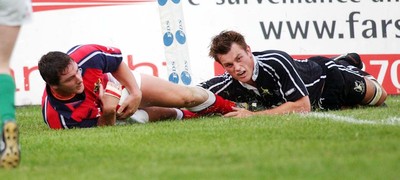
239,113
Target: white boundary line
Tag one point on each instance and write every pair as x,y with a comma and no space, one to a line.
388,121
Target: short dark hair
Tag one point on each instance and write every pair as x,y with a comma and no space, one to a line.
52,65
222,43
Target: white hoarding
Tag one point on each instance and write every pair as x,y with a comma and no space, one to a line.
299,27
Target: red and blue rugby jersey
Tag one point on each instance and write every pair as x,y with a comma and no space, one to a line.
83,110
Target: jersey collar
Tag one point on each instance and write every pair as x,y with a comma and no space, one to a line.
255,69
253,77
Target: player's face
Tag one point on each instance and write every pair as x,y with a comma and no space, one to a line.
238,62
70,81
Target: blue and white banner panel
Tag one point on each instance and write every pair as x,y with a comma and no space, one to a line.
174,41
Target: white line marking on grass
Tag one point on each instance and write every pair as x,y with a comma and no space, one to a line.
389,121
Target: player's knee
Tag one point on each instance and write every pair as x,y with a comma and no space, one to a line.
189,100
192,96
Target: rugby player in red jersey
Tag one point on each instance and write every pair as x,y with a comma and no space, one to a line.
79,91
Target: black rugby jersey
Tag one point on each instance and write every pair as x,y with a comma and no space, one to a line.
279,79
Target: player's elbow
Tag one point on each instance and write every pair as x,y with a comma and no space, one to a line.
303,105
382,98
306,108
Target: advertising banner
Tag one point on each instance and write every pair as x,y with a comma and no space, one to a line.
298,27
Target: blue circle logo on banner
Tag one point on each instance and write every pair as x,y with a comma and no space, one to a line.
186,78
173,77
168,38
176,1
180,37
162,2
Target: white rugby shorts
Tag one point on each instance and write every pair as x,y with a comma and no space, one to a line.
15,12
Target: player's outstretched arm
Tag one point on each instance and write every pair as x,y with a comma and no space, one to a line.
302,105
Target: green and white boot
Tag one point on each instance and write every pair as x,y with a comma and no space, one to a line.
9,146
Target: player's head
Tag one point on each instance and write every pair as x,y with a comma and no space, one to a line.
60,72
230,49
221,44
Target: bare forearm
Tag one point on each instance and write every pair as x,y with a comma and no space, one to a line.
286,108
124,75
300,106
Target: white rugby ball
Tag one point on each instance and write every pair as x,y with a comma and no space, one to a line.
124,94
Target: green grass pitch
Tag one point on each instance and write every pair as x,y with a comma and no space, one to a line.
350,144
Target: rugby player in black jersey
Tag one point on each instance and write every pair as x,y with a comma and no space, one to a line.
273,82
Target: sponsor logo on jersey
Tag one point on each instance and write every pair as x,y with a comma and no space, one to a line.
359,87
